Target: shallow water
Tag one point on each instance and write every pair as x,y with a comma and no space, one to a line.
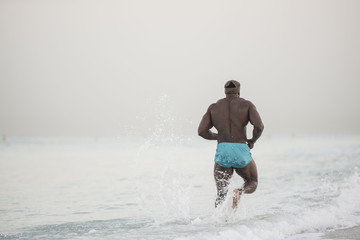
163,188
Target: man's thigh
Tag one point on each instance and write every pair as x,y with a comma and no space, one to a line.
222,174
248,173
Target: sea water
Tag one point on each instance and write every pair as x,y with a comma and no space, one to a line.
162,187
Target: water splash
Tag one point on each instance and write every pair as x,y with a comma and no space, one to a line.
170,201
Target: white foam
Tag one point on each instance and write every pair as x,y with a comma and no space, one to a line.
342,211
322,204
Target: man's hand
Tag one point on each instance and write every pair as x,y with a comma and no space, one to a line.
250,143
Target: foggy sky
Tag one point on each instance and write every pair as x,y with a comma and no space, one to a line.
82,67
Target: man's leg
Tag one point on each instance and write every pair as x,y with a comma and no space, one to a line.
249,174
222,177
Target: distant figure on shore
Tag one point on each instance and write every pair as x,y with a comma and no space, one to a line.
229,116
4,138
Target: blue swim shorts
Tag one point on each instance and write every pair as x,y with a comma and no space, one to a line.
236,155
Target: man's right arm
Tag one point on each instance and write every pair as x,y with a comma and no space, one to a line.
255,120
205,126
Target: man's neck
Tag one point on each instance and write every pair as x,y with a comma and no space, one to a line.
232,95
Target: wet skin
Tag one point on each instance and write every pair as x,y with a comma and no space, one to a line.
230,117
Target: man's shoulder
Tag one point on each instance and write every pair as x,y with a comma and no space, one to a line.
211,107
244,101
217,103
220,101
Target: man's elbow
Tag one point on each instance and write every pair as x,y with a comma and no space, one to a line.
204,133
260,128
201,133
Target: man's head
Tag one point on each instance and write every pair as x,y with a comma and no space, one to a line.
232,87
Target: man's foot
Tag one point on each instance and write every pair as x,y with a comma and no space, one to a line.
236,198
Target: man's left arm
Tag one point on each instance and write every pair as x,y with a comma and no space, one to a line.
255,120
205,126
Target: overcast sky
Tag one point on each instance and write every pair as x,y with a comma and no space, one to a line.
106,67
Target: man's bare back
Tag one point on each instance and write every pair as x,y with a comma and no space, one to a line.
230,117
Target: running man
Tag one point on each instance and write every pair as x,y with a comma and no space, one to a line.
230,116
